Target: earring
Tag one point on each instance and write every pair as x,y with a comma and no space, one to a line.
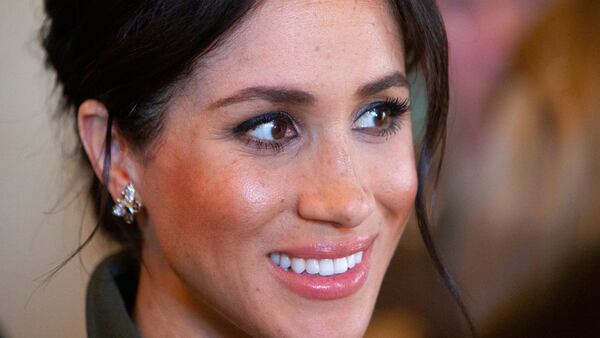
127,206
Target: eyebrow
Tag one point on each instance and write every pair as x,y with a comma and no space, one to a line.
271,94
395,79
282,94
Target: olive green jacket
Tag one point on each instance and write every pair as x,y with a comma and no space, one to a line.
111,297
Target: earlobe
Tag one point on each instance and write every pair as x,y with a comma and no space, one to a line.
92,123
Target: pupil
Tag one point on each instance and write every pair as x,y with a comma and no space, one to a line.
381,118
278,130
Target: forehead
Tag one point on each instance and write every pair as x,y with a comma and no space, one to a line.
316,43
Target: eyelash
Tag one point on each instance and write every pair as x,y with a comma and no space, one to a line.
396,106
256,121
262,145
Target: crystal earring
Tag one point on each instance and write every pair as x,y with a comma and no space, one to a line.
127,206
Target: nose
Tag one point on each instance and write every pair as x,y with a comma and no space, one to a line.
332,192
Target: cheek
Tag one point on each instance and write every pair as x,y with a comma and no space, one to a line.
209,202
397,193
396,197
394,184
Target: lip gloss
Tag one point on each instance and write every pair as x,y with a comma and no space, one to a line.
315,286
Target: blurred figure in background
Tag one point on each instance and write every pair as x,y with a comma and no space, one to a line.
520,226
483,36
524,204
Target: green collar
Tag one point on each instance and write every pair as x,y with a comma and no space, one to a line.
111,297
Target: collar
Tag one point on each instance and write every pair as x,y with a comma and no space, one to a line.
111,297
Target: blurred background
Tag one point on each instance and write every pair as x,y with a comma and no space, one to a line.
43,210
518,204
517,209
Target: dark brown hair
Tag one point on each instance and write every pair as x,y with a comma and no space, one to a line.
130,54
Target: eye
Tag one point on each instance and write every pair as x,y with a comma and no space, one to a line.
375,118
275,130
269,131
380,118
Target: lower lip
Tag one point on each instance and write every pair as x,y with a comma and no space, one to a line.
325,287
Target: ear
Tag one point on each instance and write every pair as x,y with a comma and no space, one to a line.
92,122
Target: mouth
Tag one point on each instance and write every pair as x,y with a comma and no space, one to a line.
324,271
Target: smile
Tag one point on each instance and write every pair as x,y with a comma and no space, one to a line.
315,266
323,271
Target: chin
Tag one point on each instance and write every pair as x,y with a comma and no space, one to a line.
298,316
331,320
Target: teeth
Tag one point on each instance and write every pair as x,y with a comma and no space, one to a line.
275,258
340,265
351,261
285,262
358,257
298,265
326,267
312,266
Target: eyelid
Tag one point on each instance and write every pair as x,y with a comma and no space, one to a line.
255,121
242,132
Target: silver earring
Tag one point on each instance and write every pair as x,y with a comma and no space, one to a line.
127,206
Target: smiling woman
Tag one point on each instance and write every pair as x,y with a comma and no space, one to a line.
260,156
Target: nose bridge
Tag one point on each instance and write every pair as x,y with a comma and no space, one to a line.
334,192
333,157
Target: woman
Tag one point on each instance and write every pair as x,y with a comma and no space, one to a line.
259,156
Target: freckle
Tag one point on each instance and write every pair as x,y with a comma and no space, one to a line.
317,48
282,200
257,289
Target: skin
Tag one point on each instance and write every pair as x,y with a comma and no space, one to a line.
215,206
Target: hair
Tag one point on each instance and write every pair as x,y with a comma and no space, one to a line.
130,55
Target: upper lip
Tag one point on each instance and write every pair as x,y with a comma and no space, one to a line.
330,249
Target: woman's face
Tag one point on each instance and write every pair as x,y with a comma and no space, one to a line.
291,140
